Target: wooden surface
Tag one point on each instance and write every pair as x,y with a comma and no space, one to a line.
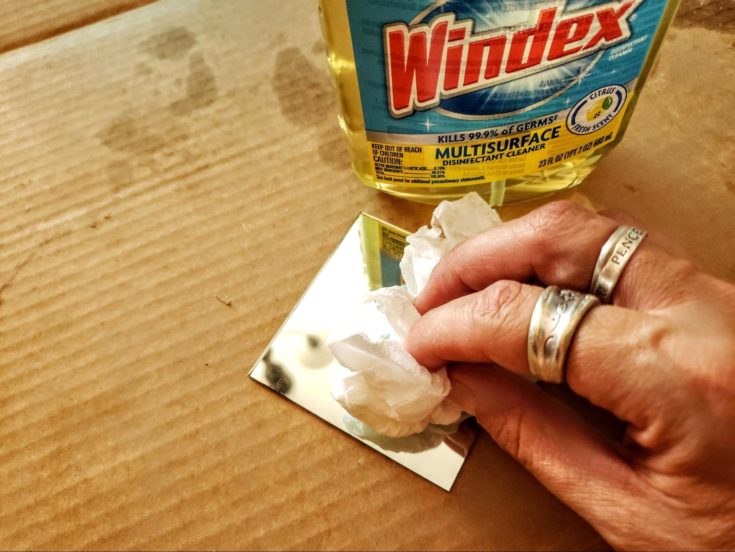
188,150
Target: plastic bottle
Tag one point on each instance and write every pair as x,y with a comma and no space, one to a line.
509,98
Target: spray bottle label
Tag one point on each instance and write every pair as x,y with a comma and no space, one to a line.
460,91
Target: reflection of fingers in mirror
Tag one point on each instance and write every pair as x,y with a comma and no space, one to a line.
276,375
430,438
309,347
315,353
461,440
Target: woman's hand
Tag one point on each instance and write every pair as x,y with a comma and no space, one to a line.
661,358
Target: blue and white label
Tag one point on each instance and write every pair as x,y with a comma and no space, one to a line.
435,67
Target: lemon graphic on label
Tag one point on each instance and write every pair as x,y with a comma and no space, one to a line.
599,108
596,109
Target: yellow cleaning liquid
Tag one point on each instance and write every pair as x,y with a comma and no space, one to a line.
512,99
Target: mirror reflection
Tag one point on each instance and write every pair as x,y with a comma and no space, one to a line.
298,364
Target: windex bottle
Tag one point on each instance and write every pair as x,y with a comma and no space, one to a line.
509,98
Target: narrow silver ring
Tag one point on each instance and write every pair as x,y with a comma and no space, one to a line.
614,255
554,321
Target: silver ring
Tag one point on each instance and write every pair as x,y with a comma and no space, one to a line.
614,255
554,321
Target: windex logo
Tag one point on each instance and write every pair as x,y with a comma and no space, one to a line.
426,63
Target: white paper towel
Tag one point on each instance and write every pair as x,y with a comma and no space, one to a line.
383,385
451,224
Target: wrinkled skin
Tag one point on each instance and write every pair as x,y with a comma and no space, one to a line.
661,358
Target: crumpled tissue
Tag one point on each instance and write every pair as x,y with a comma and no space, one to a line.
383,386
451,224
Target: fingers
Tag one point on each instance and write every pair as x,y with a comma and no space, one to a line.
568,458
608,361
557,244
488,326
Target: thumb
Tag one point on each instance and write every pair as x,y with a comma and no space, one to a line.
548,439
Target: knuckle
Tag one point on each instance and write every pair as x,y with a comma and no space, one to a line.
497,300
651,342
687,269
553,215
656,334
453,273
467,265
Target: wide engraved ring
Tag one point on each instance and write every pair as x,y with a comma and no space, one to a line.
555,319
